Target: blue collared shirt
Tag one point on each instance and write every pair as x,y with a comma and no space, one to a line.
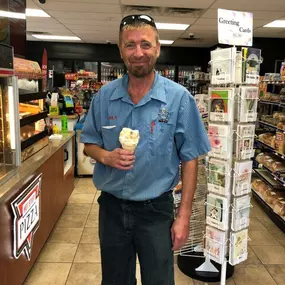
170,130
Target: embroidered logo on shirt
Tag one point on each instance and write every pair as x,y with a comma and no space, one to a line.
163,115
112,118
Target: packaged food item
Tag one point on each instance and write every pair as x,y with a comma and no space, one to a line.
279,142
279,208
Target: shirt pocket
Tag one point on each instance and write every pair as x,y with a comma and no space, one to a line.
110,138
161,137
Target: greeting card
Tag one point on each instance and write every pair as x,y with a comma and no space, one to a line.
215,244
223,66
247,106
218,176
240,213
251,65
217,211
238,248
244,148
220,140
242,178
221,104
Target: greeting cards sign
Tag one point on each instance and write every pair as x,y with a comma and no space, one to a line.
235,27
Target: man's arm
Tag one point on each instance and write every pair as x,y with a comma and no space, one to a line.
180,227
118,158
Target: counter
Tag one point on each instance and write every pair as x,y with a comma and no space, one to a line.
31,202
72,120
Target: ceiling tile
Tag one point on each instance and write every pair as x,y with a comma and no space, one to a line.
89,1
252,5
68,16
177,20
82,7
169,3
90,24
257,15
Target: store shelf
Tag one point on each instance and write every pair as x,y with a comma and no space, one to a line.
279,221
282,105
271,148
275,175
271,126
268,179
33,118
30,141
31,96
274,82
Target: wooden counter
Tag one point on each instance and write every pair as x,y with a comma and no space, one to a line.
56,186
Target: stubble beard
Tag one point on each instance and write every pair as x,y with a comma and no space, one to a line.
141,71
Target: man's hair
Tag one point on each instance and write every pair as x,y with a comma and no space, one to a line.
137,26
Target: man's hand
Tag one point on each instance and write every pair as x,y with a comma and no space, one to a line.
180,232
120,159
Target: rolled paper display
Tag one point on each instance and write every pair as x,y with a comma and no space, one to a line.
129,139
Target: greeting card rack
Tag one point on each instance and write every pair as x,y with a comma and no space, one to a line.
233,98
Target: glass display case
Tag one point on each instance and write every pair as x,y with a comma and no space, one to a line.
32,113
111,71
167,71
9,124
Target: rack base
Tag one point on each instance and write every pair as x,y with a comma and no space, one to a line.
188,265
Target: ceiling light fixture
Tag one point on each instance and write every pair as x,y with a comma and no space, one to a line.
59,38
276,24
177,27
36,13
12,15
166,42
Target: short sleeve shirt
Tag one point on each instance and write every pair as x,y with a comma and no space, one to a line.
170,127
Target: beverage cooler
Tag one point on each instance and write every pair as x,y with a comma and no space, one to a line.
167,71
111,71
10,149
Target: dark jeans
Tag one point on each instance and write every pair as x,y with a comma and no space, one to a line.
127,228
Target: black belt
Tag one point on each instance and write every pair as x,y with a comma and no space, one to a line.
157,199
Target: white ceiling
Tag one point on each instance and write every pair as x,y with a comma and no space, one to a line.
97,21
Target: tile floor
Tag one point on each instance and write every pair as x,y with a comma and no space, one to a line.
71,255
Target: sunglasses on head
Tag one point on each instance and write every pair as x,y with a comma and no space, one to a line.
136,19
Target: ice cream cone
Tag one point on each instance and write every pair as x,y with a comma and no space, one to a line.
129,139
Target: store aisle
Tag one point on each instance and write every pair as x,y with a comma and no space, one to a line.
71,255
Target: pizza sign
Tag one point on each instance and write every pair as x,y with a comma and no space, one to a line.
26,210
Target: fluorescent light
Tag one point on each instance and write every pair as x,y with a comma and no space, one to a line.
12,15
165,26
60,38
166,42
11,117
276,24
36,13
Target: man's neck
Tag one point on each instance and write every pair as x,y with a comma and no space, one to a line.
139,87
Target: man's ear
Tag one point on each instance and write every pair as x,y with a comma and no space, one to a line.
120,50
158,49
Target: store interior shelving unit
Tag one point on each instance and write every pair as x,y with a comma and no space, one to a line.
270,167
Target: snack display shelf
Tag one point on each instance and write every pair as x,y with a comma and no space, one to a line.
33,118
261,174
271,148
278,220
275,175
274,82
25,97
272,103
270,126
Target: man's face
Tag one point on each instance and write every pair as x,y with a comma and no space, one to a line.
139,50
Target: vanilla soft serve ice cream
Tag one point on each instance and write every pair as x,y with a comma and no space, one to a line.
129,139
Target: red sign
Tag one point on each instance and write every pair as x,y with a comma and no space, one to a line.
44,69
26,210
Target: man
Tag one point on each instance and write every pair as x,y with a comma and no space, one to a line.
136,204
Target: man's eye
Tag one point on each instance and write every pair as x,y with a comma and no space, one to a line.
146,45
130,46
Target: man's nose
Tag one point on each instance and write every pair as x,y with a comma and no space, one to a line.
139,51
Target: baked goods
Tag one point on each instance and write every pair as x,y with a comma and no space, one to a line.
279,142
267,138
279,208
129,139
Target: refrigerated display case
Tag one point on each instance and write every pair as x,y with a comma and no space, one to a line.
32,112
111,71
167,71
10,154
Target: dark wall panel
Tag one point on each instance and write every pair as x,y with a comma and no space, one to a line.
99,52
